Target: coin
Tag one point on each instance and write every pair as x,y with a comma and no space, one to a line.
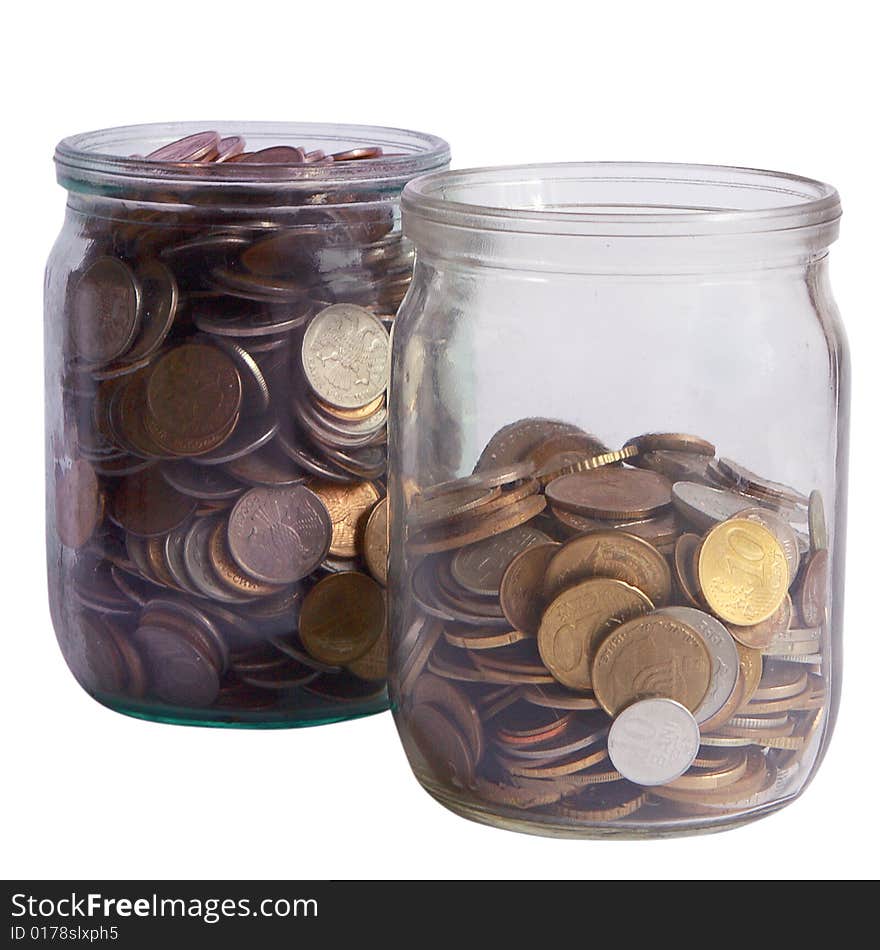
346,356
513,442
575,621
193,395
611,493
227,571
676,466
704,506
816,515
782,531
672,442
722,652
649,656
760,486
348,506
178,672
159,309
145,504
653,741
686,547
342,617
279,535
479,567
521,588
373,665
78,504
614,554
104,310
742,571
375,544
456,704
192,148
761,635
442,744
812,593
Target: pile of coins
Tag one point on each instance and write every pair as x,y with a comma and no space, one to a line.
220,466
596,636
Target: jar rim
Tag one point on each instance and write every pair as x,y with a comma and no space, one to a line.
538,199
96,160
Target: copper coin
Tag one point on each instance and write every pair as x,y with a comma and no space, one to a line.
193,395
574,623
652,655
686,547
274,155
522,587
229,147
104,310
357,154
813,589
279,535
349,507
456,704
612,493
614,554
342,617
77,504
191,148
145,504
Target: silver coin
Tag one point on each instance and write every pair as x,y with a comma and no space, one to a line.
706,506
200,481
346,356
306,459
175,561
653,741
782,531
722,649
247,437
205,624
198,563
816,518
479,567
255,396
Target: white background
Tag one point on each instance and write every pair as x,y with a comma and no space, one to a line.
791,86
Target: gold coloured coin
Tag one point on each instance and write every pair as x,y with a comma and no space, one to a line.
653,655
376,541
613,554
342,617
576,620
742,571
349,506
761,635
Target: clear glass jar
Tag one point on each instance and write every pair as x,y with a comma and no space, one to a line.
216,361
618,424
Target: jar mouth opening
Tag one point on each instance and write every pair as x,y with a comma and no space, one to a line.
113,158
622,198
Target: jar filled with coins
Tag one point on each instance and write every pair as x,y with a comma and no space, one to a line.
218,308
619,398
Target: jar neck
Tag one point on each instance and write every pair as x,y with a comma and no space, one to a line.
627,219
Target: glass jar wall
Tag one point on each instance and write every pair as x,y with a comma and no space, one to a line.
217,315
618,466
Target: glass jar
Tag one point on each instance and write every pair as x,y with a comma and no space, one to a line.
618,450
217,313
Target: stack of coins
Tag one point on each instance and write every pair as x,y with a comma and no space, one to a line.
219,483
597,636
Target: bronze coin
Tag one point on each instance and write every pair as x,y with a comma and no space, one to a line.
612,493
575,622
651,655
375,546
146,505
105,309
77,504
342,617
477,529
279,535
522,587
229,147
673,442
193,395
614,554
456,704
373,665
813,589
686,548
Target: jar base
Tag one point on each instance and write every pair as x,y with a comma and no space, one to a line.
242,719
546,826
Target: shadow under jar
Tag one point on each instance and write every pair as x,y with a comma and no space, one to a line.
618,448
217,313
